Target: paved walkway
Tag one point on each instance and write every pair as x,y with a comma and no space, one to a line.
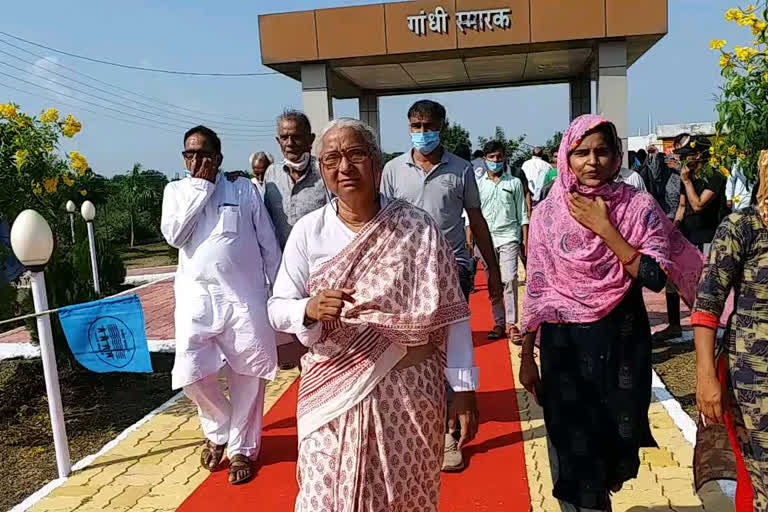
155,468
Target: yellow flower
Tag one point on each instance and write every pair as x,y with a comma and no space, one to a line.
50,116
725,60
67,179
732,150
78,162
736,199
744,53
83,192
51,184
714,162
750,68
733,15
7,110
712,150
21,157
725,171
741,156
747,21
757,28
37,188
71,126
717,44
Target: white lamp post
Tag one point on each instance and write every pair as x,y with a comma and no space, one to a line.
71,211
32,242
88,211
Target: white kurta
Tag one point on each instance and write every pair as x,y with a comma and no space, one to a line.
226,246
316,238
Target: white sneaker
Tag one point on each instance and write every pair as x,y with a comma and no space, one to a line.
452,459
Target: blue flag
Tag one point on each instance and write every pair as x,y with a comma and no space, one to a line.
108,335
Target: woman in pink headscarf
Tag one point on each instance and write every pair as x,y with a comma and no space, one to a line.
593,245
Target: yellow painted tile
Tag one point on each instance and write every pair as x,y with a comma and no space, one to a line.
658,457
130,496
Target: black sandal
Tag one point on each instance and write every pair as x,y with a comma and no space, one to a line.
211,456
240,469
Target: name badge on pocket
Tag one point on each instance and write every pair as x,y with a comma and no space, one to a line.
228,219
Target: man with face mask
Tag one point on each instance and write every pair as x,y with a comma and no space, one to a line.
503,205
226,248
293,187
444,185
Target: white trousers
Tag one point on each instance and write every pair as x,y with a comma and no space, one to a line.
236,421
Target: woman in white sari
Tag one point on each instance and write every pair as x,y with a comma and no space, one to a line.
370,286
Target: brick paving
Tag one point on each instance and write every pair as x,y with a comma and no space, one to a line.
150,271
155,468
157,302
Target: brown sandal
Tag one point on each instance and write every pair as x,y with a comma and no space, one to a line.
211,456
514,335
240,469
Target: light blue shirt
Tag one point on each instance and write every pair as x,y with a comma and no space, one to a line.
504,208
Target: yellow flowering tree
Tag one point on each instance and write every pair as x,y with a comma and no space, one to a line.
742,108
32,168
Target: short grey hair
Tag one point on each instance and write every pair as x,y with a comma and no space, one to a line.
367,133
297,116
260,155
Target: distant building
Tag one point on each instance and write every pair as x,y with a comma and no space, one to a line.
665,134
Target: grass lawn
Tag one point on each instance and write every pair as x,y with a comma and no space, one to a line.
156,254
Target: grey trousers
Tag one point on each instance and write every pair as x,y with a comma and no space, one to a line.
505,310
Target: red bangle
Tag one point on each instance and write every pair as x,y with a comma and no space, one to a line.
632,258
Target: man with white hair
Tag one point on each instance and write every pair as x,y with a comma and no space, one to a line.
259,162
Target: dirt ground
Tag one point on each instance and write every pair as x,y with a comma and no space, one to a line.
97,407
676,365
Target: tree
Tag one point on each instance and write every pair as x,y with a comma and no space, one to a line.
32,171
386,157
741,130
454,135
517,149
553,144
137,192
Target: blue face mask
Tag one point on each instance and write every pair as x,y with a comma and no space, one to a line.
425,142
494,167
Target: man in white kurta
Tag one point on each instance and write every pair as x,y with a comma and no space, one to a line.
227,246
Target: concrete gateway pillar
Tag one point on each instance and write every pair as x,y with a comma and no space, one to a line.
612,86
369,112
581,96
316,93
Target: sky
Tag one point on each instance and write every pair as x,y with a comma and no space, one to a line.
677,81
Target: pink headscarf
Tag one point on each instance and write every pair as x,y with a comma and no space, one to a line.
572,276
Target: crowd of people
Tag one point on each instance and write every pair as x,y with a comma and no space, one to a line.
360,273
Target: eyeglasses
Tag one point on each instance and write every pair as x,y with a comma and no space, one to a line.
190,155
333,159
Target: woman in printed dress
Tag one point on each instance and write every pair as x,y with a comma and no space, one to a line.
594,244
370,287
736,392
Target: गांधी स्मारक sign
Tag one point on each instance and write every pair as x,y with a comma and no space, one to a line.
437,21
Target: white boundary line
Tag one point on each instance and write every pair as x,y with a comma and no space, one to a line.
85,462
29,351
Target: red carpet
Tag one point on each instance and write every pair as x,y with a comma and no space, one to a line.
494,480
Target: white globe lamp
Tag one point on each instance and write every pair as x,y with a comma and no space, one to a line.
32,239
88,211
32,243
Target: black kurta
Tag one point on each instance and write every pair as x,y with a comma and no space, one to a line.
596,390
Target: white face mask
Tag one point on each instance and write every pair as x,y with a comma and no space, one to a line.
300,165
